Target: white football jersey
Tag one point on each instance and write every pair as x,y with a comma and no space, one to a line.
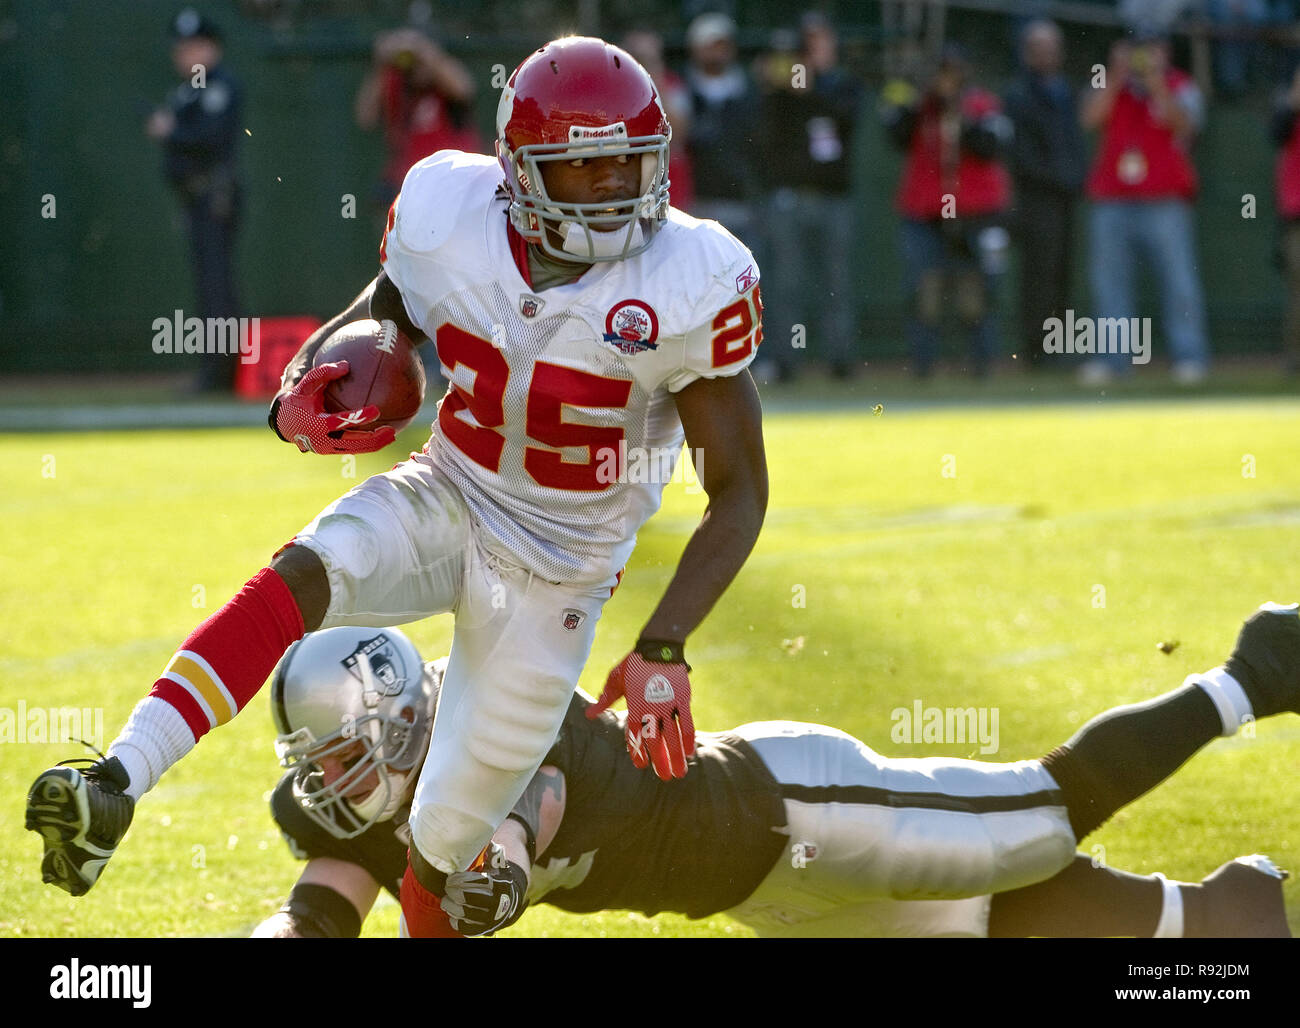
560,406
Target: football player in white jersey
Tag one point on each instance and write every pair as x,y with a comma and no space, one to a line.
585,330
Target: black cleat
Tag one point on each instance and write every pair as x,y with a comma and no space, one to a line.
82,815
1243,900
1266,659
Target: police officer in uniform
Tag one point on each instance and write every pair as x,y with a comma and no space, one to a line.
198,127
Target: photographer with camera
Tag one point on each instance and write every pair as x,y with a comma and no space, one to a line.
1142,187
422,97
953,198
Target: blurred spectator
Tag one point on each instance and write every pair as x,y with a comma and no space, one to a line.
199,127
724,128
1048,165
1155,16
953,197
1234,54
422,97
647,46
1141,186
1286,134
810,108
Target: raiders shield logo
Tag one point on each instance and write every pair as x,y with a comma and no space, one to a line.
379,667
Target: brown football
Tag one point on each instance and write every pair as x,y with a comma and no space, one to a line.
384,369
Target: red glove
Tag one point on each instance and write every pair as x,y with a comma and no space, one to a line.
298,415
653,678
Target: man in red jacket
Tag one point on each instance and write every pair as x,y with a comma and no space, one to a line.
1142,186
952,197
1286,135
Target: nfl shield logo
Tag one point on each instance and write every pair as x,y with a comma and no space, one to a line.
530,305
572,619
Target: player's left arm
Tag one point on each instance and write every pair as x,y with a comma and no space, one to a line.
723,421
722,418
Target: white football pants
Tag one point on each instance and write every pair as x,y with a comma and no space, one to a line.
402,546
897,847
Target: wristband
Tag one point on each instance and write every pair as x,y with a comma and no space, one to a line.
661,651
530,838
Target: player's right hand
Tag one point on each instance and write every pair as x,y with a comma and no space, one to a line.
298,416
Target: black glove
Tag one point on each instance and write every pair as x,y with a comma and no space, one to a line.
483,902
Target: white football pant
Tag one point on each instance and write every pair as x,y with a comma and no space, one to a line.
866,832
403,546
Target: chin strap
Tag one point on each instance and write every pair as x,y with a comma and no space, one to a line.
587,243
381,805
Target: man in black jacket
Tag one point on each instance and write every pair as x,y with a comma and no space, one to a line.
1048,165
810,109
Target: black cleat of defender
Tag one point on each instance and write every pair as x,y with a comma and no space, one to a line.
82,815
1266,659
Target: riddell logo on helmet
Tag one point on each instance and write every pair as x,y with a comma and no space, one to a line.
581,133
658,690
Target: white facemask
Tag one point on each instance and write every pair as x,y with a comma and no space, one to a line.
382,803
603,244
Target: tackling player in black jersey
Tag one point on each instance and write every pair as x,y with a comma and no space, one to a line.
791,828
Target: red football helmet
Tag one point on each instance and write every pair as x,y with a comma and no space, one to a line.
582,97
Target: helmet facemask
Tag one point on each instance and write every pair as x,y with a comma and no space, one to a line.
363,699
591,232
385,744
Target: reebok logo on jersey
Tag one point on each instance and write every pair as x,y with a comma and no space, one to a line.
659,690
746,279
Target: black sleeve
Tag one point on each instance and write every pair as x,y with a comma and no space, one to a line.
386,305
319,912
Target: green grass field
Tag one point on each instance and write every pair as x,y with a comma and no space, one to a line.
959,556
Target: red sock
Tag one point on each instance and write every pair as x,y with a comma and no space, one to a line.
226,659
422,912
